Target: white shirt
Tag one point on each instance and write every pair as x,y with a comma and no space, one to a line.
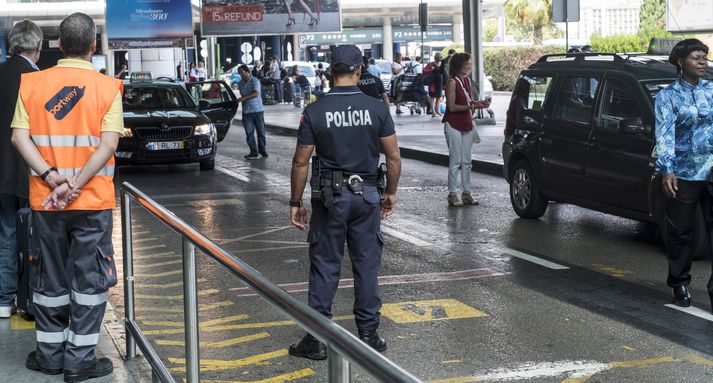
397,67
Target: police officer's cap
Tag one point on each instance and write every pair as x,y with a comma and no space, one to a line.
346,58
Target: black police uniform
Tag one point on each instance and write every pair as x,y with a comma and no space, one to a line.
371,85
346,126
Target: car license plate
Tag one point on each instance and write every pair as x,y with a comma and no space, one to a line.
165,145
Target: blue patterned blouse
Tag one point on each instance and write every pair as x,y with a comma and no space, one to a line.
684,130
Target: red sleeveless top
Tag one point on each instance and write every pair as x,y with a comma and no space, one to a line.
463,120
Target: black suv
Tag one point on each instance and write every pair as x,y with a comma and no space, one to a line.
167,122
583,133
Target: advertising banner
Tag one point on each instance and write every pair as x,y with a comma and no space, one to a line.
134,24
690,15
273,17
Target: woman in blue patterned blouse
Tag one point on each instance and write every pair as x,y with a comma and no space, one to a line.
684,147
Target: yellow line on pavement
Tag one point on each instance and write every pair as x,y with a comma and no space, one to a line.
179,310
159,264
271,249
642,362
579,379
18,323
234,326
216,344
277,379
148,247
218,321
697,359
218,365
224,242
202,293
201,325
159,275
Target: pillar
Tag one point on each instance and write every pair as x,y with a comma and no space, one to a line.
296,48
388,53
105,51
458,31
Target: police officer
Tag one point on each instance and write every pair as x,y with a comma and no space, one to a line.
346,128
67,124
371,85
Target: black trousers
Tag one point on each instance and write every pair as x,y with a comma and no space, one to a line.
680,213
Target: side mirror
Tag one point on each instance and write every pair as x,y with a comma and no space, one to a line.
203,104
632,126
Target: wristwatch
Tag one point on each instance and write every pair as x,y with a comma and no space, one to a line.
297,203
47,173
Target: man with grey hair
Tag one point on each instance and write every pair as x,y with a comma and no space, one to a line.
66,126
25,44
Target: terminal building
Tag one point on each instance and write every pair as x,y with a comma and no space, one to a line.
379,28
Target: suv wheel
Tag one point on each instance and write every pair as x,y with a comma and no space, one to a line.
524,195
208,164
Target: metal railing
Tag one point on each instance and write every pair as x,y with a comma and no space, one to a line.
343,347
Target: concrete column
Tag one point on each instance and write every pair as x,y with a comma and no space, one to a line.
388,52
458,28
296,48
105,51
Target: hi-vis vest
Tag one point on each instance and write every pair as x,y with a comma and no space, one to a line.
65,108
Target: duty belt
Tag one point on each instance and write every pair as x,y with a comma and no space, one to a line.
326,180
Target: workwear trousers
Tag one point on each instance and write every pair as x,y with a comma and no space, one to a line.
73,267
355,218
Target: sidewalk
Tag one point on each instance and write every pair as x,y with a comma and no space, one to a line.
420,137
17,339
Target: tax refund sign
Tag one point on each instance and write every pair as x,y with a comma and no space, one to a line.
135,24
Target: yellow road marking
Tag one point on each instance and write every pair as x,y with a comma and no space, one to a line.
218,365
577,379
179,310
148,247
17,323
159,275
430,310
642,362
270,249
202,293
134,240
216,344
167,285
629,348
233,318
697,359
613,271
224,242
451,361
277,379
159,264
235,326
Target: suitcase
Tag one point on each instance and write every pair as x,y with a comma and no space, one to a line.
24,236
268,93
287,86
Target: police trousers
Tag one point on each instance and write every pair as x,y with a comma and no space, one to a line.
356,219
72,266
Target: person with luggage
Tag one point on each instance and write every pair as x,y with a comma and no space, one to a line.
25,44
66,126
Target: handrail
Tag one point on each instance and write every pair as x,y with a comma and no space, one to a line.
343,347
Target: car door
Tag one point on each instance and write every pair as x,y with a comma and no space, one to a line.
619,168
217,101
565,135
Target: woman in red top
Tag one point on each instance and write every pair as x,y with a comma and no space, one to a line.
459,127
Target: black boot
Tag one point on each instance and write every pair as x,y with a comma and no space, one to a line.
309,347
681,296
371,337
103,367
31,364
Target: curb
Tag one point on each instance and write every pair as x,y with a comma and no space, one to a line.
479,166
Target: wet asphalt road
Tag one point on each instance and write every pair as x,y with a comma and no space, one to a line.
461,304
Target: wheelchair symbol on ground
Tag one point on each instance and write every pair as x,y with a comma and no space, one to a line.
430,310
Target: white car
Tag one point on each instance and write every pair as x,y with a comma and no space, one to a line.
385,69
305,68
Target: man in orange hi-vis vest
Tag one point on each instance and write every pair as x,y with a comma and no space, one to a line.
67,124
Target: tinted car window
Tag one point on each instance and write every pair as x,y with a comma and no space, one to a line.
654,87
153,97
576,99
618,104
214,93
538,91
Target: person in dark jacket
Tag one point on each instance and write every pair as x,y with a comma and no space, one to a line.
25,44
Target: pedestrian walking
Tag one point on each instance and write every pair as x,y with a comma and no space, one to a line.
684,125
459,127
253,118
397,69
67,124
25,43
319,79
273,74
347,129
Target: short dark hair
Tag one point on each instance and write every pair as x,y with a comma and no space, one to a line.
320,66
244,68
341,69
77,33
451,51
457,62
683,49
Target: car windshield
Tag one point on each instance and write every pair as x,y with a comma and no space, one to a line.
654,87
155,97
306,70
384,67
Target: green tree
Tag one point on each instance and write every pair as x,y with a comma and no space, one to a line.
537,13
652,14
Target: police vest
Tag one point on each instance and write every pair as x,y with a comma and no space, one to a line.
66,107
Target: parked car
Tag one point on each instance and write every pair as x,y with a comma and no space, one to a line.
232,77
584,134
385,68
169,122
305,68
